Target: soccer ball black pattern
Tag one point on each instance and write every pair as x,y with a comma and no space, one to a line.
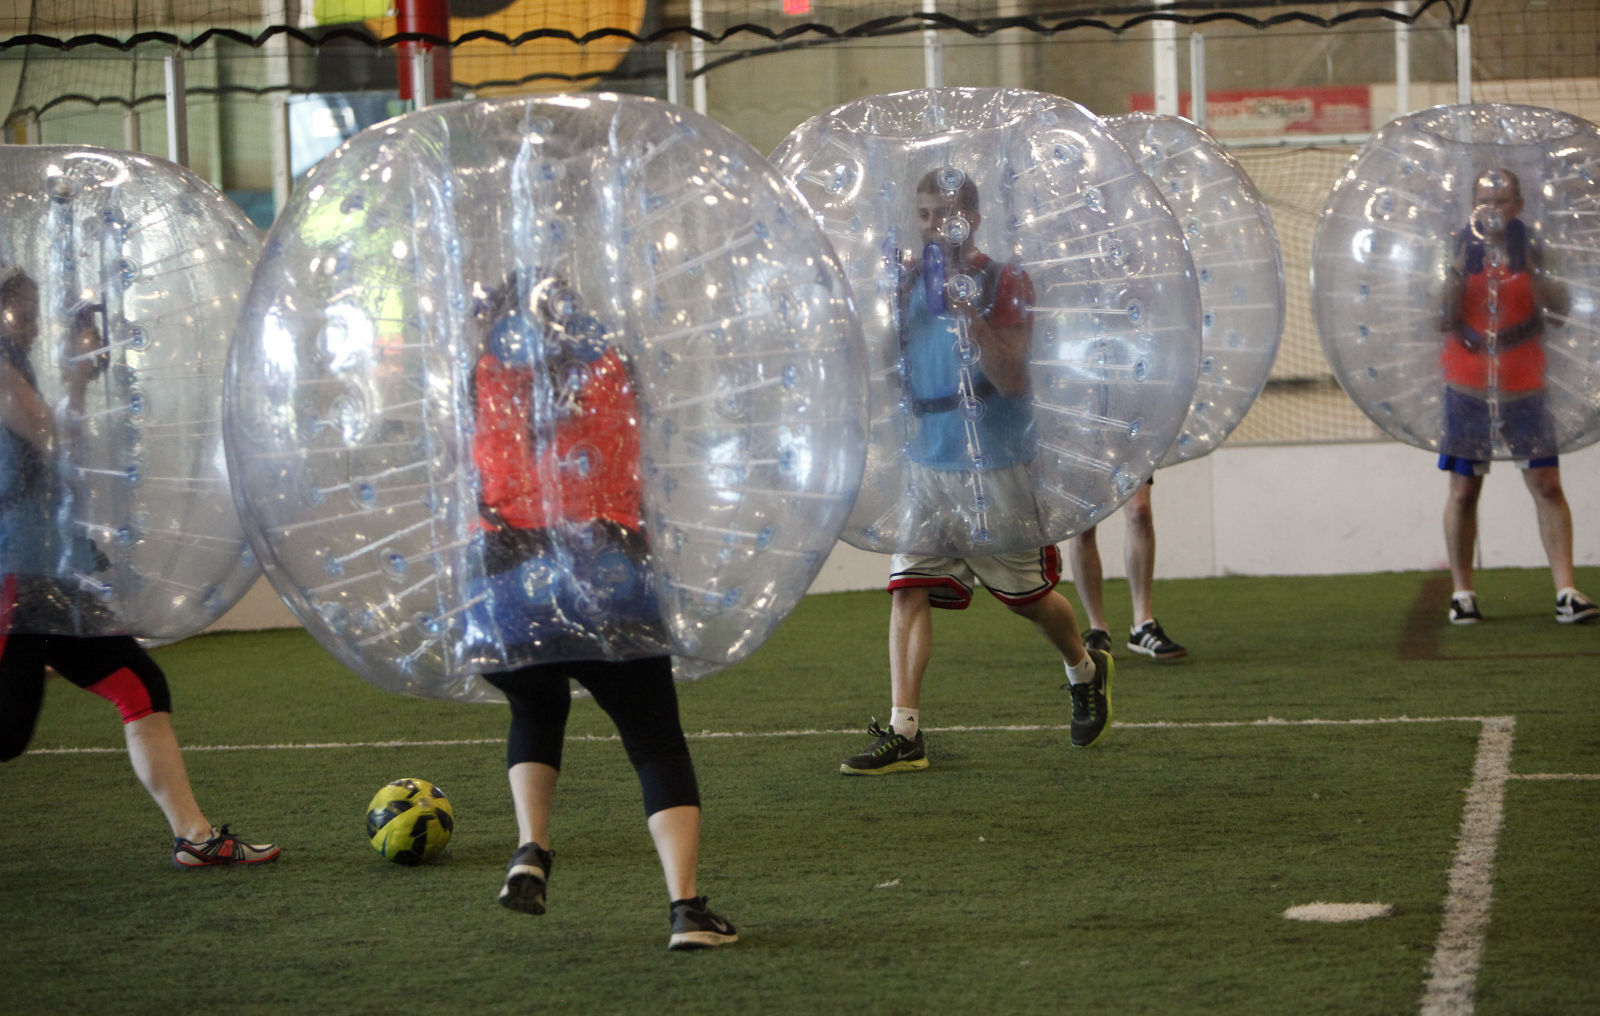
409,821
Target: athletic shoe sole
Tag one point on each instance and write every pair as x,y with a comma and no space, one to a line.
908,766
1176,654
699,940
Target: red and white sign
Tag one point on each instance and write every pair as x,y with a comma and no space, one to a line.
1266,112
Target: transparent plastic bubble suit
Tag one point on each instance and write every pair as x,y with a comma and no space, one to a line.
121,277
1237,260
1459,322
560,378
1031,359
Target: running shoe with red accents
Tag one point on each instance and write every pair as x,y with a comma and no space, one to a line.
222,848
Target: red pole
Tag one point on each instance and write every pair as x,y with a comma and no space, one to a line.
428,17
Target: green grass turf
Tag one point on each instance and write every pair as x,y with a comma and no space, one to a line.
1146,875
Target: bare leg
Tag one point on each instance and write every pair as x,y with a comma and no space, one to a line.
533,788
676,832
1555,521
1083,554
910,645
1461,527
1056,622
158,762
1139,554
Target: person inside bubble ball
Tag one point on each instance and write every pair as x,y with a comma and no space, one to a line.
36,599
1493,359
965,328
556,446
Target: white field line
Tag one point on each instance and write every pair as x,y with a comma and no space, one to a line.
712,735
1453,973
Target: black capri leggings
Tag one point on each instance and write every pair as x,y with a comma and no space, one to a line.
116,668
641,700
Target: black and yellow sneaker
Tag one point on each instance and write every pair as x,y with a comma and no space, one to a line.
1097,638
890,753
527,876
695,926
1091,703
222,848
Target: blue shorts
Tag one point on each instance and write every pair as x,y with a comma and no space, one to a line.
1480,467
1471,432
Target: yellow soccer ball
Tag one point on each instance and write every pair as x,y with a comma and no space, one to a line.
409,821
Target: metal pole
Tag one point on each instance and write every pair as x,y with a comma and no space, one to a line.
421,64
1197,79
1008,50
1164,57
932,54
1402,63
697,54
130,129
676,84
177,110
1463,63
278,12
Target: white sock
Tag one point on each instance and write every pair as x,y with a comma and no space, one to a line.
904,721
1569,591
1083,673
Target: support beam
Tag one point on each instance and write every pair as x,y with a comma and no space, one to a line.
177,110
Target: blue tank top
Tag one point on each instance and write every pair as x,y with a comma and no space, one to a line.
942,438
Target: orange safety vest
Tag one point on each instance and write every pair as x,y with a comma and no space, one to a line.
591,468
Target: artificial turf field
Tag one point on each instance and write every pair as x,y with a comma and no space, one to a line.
1451,773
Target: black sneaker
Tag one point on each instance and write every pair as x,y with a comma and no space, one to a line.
694,926
890,753
1097,638
223,848
1573,607
1464,609
526,878
1091,703
1149,640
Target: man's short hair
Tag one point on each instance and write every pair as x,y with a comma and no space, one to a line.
14,282
1497,178
963,196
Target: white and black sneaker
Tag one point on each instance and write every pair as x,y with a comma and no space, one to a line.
1572,607
527,876
695,926
1149,640
1464,609
889,753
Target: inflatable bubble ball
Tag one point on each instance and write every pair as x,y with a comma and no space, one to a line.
1236,259
1031,313
1456,281
121,277
544,379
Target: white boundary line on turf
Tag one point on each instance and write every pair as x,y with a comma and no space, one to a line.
1453,973
707,735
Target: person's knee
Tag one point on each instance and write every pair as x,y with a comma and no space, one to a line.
1139,515
13,743
136,691
1545,484
668,781
1464,491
